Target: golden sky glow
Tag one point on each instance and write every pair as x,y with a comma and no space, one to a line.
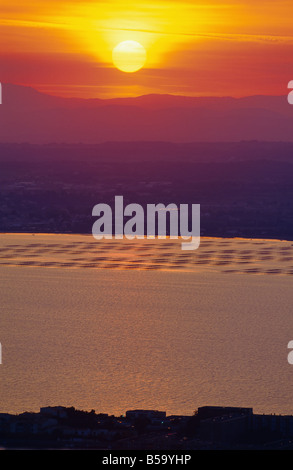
193,47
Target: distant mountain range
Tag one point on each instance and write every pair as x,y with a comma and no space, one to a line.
26,115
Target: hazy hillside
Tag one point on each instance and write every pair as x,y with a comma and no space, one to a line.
27,115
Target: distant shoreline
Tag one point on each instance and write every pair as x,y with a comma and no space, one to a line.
209,428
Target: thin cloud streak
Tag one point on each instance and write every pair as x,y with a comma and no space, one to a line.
208,35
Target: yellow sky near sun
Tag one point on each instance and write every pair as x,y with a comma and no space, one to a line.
167,29
99,26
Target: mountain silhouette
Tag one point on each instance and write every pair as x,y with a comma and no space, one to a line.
27,115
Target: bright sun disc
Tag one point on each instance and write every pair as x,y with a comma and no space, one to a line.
129,56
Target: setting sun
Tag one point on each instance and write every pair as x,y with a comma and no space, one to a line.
129,56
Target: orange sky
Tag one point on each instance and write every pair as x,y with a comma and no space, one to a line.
193,47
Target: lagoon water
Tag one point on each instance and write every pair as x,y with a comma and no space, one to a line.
173,339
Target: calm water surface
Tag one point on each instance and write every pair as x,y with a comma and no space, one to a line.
116,340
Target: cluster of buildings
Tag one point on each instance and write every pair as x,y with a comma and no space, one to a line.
52,423
210,427
232,425
60,426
